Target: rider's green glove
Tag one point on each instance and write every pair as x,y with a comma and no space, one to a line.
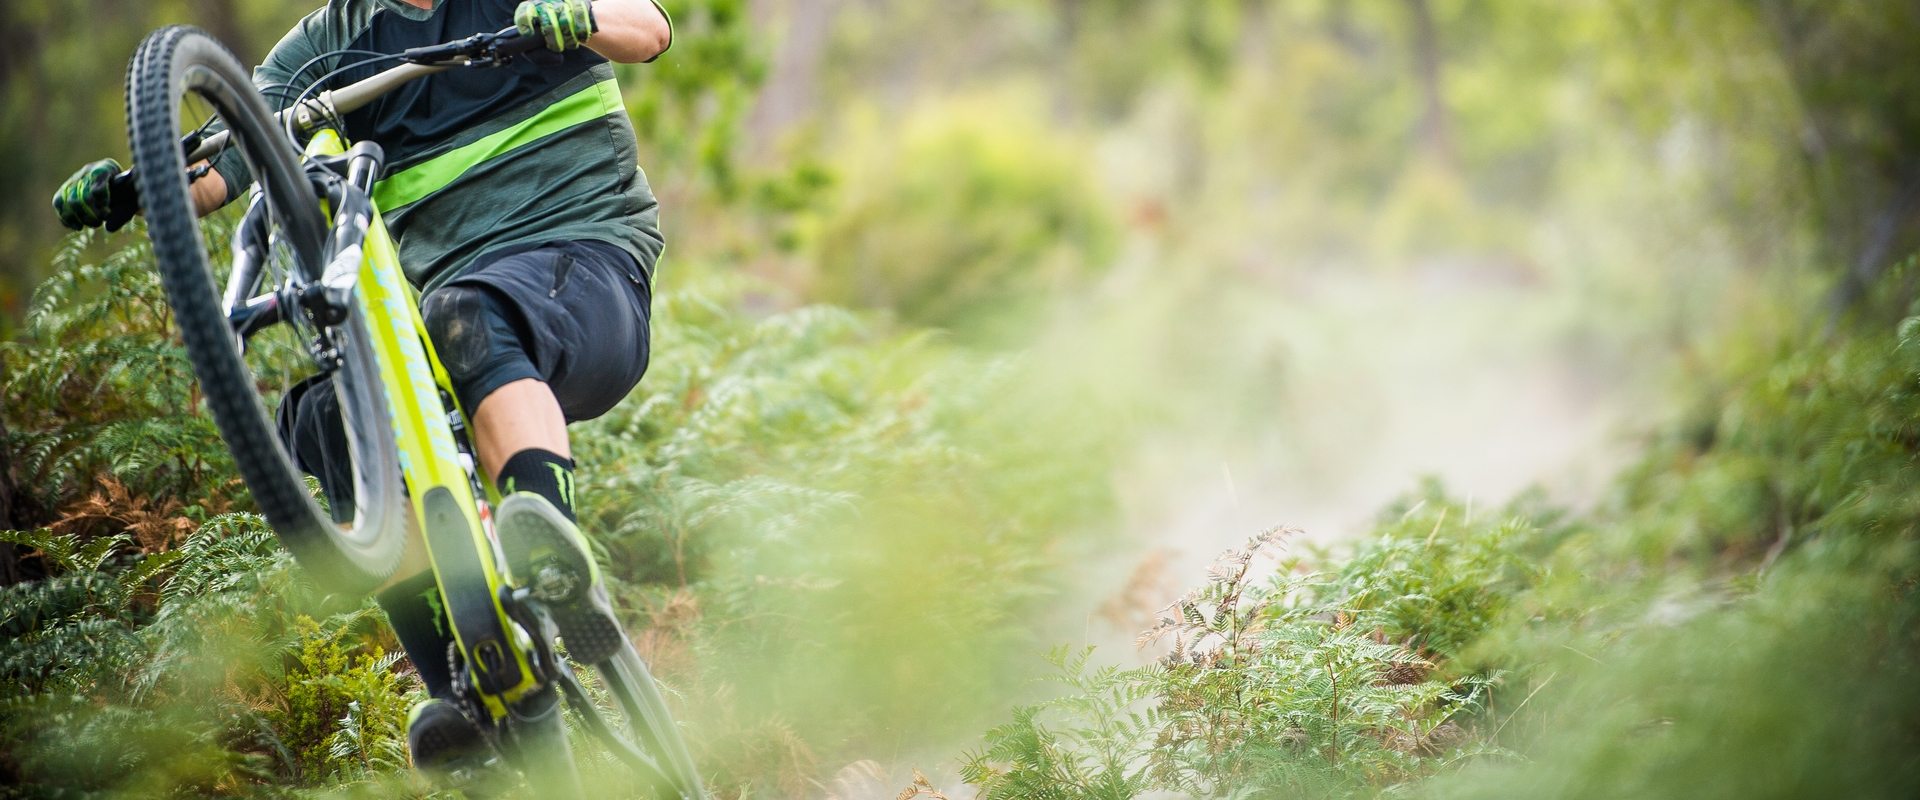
89,199
564,24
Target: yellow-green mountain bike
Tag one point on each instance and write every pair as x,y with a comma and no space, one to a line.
311,283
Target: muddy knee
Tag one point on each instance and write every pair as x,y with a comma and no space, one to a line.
457,321
478,342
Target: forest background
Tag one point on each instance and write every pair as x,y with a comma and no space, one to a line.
1558,347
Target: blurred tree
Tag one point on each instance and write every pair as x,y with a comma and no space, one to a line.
1851,66
1435,142
1848,132
803,30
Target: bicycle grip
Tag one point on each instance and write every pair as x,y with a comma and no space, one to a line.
510,42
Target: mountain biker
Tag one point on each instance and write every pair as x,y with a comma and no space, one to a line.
521,214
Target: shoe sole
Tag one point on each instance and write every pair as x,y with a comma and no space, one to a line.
545,556
442,749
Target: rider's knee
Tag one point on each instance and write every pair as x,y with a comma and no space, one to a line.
459,322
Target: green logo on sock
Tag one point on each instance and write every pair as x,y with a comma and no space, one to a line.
563,478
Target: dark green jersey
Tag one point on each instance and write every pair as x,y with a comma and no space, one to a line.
477,159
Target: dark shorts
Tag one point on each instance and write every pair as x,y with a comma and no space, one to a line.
571,314
574,315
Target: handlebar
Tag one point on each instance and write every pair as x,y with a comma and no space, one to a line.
479,50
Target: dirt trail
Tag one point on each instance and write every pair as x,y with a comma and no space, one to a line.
1390,378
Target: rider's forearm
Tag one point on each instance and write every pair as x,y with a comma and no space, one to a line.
209,193
631,31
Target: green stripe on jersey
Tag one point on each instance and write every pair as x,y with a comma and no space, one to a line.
418,181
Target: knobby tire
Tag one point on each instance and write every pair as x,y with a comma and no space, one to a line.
170,63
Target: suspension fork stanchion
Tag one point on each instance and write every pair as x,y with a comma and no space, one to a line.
249,255
248,313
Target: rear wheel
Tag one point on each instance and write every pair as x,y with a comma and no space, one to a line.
626,737
650,723
178,76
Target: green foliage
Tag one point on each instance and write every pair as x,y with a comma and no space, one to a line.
1101,754
687,106
1292,683
1786,442
344,705
1739,620
168,647
193,671
1801,687
99,388
67,631
1434,578
1289,684
971,215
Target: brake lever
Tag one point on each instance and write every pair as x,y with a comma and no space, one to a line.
479,50
434,54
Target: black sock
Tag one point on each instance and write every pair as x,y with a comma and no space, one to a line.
419,620
542,472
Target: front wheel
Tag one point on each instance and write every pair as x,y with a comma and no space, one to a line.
178,76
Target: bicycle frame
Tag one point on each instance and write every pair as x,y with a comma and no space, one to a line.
439,476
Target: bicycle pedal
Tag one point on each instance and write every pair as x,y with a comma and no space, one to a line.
555,582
